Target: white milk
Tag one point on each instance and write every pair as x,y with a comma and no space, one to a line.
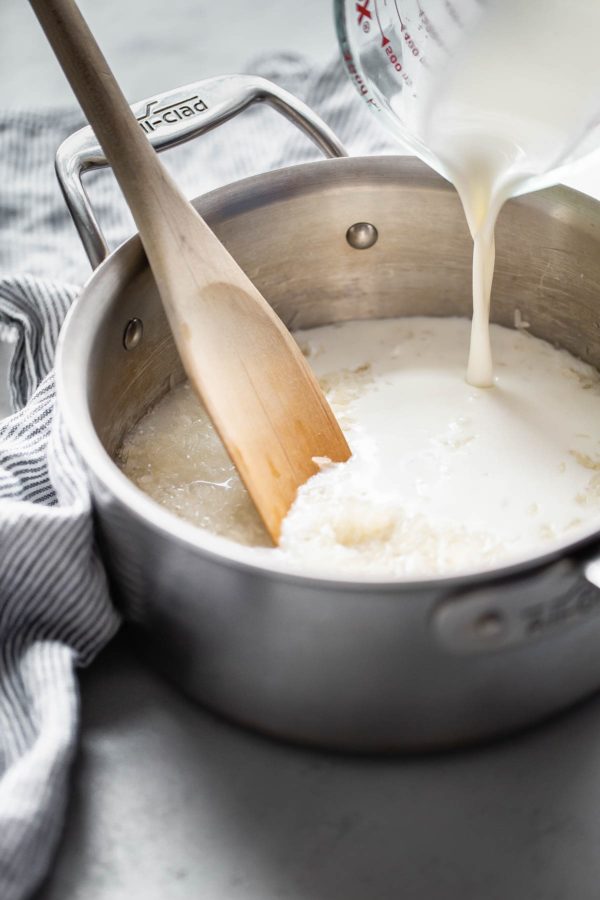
508,98
444,477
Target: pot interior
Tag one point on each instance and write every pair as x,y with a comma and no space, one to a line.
287,229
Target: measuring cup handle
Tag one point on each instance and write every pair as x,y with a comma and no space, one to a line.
174,118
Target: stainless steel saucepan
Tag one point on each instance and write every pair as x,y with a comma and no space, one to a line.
367,665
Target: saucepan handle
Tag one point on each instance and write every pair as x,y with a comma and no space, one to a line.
174,118
521,609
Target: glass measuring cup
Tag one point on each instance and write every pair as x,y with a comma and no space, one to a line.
523,74
500,96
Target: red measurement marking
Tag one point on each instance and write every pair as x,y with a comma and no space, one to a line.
395,62
363,11
356,77
384,39
410,43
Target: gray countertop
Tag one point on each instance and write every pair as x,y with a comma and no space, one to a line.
171,802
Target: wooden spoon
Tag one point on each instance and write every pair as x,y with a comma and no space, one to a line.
262,397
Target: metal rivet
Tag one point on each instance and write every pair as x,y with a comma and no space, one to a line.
489,625
362,235
134,331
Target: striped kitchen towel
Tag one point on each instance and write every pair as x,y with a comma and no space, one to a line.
55,609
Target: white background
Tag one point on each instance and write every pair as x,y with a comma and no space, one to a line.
154,45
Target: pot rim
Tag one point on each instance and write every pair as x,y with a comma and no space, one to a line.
72,355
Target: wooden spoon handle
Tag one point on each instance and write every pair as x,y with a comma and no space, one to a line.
261,395
135,164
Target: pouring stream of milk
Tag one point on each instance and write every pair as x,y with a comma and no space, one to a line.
514,100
